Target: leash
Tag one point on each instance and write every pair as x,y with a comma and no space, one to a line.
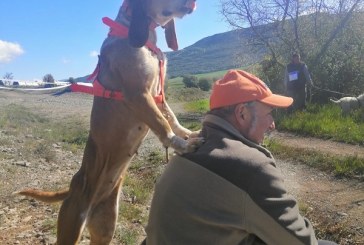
330,91
37,90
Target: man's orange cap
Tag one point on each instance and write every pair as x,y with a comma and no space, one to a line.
239,86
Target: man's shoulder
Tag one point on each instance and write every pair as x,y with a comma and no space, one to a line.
233,161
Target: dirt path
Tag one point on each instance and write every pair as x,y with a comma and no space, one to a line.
327,146
325,199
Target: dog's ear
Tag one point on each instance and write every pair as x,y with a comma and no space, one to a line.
170,34
139,24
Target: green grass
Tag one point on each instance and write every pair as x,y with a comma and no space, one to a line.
186,94
177,81
198,106
137,190
341,166
50,225
141,177
191,124
325,121
15,118
127,235
131,212
177,84
19,120
71,131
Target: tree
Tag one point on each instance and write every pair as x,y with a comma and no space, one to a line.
9,76
71,80
48,78
204,84
326,33
190,81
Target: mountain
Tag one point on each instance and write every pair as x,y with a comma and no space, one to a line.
232,49
82,79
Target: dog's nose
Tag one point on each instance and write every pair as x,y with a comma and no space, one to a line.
191,5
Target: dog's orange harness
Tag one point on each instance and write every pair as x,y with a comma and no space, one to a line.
97,89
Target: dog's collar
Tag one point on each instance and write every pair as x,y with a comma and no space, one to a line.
119,30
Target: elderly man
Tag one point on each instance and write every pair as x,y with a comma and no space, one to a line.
229,191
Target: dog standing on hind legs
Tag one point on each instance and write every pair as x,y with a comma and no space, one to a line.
131,102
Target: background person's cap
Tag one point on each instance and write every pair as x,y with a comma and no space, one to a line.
238,86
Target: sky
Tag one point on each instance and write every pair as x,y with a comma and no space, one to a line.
63,37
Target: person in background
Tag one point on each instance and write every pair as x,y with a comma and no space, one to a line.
229,192
297,81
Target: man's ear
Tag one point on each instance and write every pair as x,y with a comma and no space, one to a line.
239,112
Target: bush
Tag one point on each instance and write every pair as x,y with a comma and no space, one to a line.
190,81
204,84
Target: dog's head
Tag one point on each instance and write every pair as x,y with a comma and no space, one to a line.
161,12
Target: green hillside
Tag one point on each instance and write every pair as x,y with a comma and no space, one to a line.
218,52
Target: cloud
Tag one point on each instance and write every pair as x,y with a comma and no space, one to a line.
66,61
9,51
94,53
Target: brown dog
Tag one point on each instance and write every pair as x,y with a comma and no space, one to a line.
119,126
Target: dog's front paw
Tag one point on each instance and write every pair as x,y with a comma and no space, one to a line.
182,132
194,142
185,146
190,134
194,134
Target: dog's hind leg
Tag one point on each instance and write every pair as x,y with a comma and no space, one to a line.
71,219
75,208
102,220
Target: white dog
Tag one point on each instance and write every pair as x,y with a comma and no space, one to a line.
348,104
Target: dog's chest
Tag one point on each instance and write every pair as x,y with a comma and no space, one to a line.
155,70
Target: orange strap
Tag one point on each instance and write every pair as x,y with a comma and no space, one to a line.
98,90
161,78
119,30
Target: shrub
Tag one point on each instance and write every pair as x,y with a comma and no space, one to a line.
190,81
204,84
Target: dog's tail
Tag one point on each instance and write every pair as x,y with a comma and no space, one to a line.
335,101
45,196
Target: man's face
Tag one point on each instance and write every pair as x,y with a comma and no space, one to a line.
296,59
259,121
